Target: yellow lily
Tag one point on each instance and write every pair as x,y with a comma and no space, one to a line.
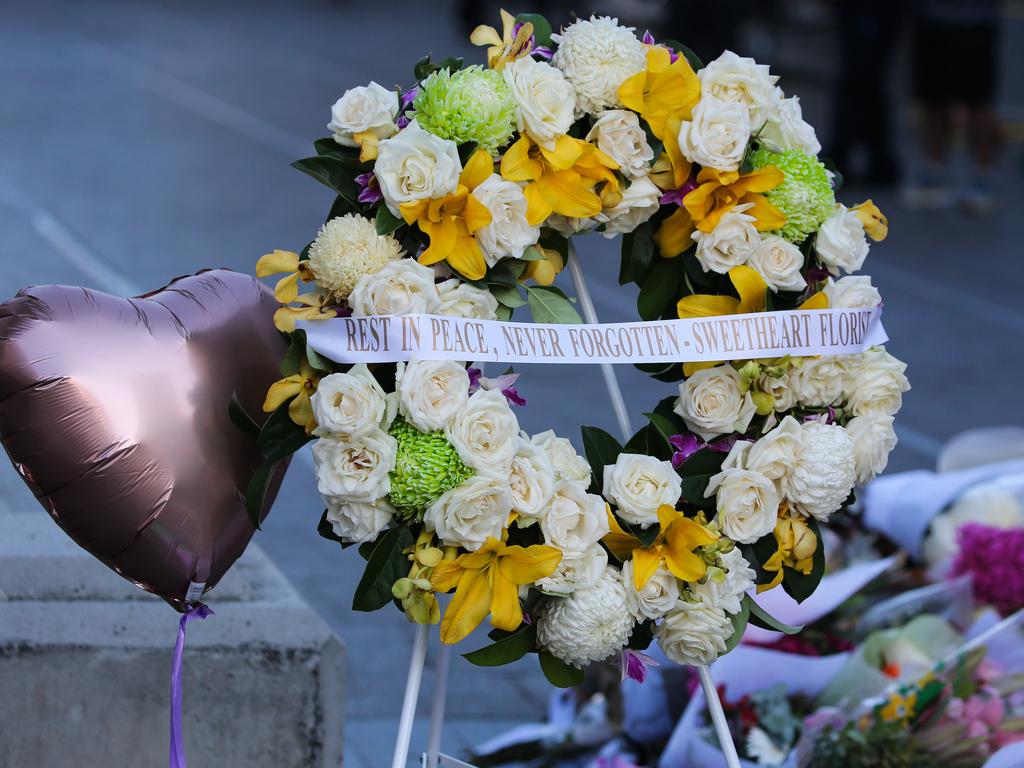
717,193
487,581
299,386
795,548
671,170
450,221
876,225
665,89
543,271
287,289
674,546
562,179
509,45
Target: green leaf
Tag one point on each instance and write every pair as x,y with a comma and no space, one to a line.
241,419
800,586
256,492
286,447
505,651
328,147
637,255
667,372
689,55
333,173
645,536
503,312
386,221
759,617
703,462
642,636
318,362
693,489
532,254
549,305
507,295
277,427
601,450
649,441
558,673
292,360
422,69
660,290
739,625
386,565
664,426
541,27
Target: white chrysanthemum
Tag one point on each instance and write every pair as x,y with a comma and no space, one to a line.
597,56
726,586
345,249
694,633
589,625
824,470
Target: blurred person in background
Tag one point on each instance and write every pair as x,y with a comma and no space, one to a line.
955,72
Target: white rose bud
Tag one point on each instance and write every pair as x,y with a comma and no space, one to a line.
747,501
852,292
402,287
574,520
820,381
779,262
656,598
431,392
786,129
742,80
355,521
873,440
617,133
694,634
470,513
355,470
509,233
576,570
712,403
484,432
545,100
773,454
459,299
876,383
823,473
639,202
368,108
531,482
730,244
416,165
568,464
716,134
840,243
638,485
348,404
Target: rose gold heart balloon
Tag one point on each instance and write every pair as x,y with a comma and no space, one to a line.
115,412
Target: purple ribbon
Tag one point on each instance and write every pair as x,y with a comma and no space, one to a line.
193,611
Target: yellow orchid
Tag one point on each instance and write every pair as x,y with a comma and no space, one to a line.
299,386
717,193
543,271
665,89
674,546
287,289
876,225
795,548
487,581
509,45
450,221
562,179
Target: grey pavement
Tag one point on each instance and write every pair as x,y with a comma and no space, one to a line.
144,140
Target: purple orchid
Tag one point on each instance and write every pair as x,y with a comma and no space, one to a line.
540,51
369,189
634,664
676,195
407,98
503,384
687,445
824,418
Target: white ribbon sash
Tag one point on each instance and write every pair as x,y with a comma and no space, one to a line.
802,333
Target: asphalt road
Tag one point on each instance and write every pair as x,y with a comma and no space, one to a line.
144,140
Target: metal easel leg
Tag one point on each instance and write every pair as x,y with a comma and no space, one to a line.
437,702
412,694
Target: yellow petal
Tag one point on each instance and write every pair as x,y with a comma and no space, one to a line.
525,565
285,317
685,565
751,287
475,214
565,153
468,607
413,211
301,410
281,390
479,166
467,258
875,224
817,301
485,35
508,25
367,145
674,235
767,218
544,271
516,163
658,59
617,540
691,368
287,288
277,262
760,180
631,92
506,612
568,194
706,305
537,206
442,239
645,565
446,575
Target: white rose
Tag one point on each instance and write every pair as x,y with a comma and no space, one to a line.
416,165
509,233
747,501
576,570
357,521
402,287
730,244
639,202
712,402
639,484
568,464
725,587
823,472
820,381
781,389
786,129
531,481
431,392
873,440
574,520
655,598
694,633
852,292
348,404
876,383
459,299
773,454
617,133
779,262
840,243
716,134
545,100
484,431
470,513
355,470
741,80
367,108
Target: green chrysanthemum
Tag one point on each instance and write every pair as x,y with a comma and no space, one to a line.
472,104
426,466
805,196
